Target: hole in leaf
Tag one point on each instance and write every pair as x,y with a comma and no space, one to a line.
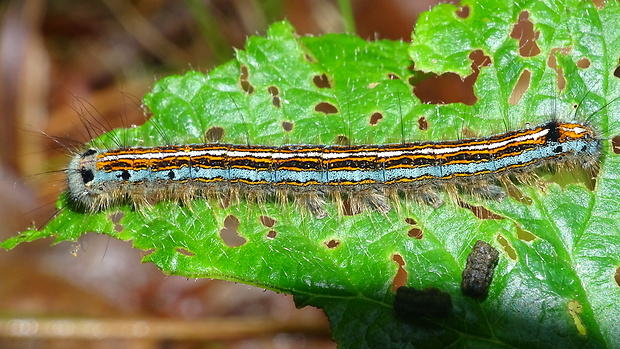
617,276
214,134
583,63
244,73
184,251
463,12
247,87
273,91
351,207
416,233
326,108
422,123
275,94
393,76
321,81
510,251
331,244
411,221
479,211
243,80
229,233
552,62
449,87
287,126
521,87
267,221
400,279
615,144
116,219
524,32
524,235
514,192
574,309
342,140
413,304
272,234
375,118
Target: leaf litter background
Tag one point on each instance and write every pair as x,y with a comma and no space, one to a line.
544,269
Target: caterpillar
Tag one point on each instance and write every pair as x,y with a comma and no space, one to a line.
368,175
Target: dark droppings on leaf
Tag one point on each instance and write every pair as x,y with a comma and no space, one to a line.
272,234
400,279
617,276
331,244
524,32
463,12
413,304
229,233
321,81
583,63
287,126
510,251
615,144
617,70
478,273
520,87
422,123
276,101
267,221
214,134
375,118
326,108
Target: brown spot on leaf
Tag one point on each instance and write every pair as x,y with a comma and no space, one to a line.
615,144
272,234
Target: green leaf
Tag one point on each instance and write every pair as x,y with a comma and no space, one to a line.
560,247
